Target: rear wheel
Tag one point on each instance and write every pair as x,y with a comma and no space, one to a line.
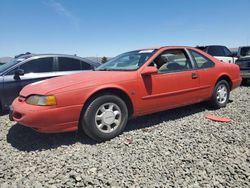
105,117
220,95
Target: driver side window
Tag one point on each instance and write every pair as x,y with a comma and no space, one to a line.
39,65
172,61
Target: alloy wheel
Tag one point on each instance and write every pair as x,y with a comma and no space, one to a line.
108,117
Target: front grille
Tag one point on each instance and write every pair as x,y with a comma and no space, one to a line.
243,64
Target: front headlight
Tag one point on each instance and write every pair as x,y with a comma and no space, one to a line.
41,100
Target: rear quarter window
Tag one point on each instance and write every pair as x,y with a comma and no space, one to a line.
68,64
86,66
201,61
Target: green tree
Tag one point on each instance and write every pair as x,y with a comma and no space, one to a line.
104,59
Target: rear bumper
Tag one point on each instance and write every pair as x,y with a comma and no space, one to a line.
236,83
46,119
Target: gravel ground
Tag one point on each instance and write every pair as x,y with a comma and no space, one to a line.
176,148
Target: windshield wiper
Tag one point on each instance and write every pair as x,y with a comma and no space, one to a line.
104,69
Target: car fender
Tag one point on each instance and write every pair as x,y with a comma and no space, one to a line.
223,74
125,87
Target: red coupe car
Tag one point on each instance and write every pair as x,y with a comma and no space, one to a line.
132,84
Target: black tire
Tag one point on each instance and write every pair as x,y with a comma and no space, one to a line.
89,122
244,82
214,102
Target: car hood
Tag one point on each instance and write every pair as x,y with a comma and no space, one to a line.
75,81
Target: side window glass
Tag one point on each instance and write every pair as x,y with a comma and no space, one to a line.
227,52
244,51
86,66
38,65
201,61
216,51
68,64
12,72
172,61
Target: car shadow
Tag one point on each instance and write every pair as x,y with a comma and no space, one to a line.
4,113
247,84
26,139
147,121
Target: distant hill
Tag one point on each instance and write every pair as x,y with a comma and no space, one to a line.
5,59
234,49
95,59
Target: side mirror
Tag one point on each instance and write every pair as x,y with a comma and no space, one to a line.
149,70
19,72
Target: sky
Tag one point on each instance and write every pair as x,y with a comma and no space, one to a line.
110,27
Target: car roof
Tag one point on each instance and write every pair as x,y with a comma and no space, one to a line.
27,56
205,46
161,47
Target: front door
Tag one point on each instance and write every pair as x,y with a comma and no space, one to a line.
176,84
34,70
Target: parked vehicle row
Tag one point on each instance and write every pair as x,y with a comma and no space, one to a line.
220,52
241,57
30,68
135,83
244,62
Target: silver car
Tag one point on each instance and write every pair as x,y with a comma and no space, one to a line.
30,68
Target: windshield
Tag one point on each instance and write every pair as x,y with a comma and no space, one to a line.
245,51
128,61
6,66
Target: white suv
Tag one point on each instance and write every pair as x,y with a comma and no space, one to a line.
220,52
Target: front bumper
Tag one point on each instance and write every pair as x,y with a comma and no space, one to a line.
46,119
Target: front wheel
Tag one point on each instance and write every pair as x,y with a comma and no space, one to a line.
220,95
105,117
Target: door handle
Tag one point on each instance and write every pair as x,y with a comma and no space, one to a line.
195,75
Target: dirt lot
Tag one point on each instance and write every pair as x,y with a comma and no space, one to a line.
170,149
